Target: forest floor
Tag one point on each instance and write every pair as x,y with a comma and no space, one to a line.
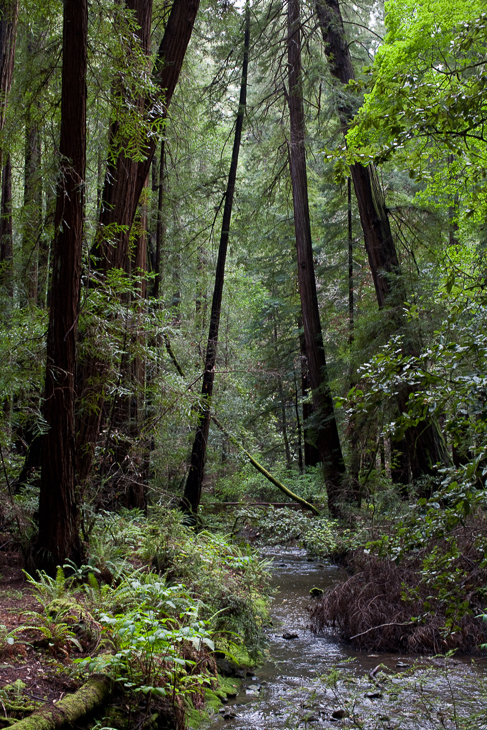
40,639
29,678
55,633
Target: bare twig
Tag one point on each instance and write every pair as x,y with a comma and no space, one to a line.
394,623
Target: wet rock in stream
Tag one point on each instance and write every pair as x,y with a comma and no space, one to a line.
339,714
311,681
316,592
289,635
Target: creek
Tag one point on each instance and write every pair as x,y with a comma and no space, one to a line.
316,680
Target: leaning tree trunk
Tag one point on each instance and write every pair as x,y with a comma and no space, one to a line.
125,179
425,445
59,537
123,186
194,482
328,441
378,239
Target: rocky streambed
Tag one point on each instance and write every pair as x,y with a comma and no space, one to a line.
316,680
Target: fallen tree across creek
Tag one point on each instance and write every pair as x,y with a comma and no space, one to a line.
263,471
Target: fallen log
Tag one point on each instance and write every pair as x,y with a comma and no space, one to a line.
264,471
71,708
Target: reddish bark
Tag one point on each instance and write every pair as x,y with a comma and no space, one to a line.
9,10
328,441
123,186
33,203
378,239
126,178
160,227
59,537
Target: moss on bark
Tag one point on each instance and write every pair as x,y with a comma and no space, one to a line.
70,709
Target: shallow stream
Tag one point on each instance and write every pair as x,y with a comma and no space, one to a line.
316,679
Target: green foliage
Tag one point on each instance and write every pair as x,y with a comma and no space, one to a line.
446,382
231,581
249,485
154,632
321,536
428,100
48,588
157,643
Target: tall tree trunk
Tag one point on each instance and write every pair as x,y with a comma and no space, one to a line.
120,178
425,445
282,404
6,232
126,177
352,431
298,426
118,204
123,185
160,227
59,537
311,453
351,303
328,441
378,239
34,259
9,10
194,482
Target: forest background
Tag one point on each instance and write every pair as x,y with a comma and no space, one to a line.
355,373
242,251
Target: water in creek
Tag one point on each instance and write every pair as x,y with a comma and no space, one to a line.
298,685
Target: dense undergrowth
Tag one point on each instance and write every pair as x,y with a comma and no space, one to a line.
417,582
155,607
158,605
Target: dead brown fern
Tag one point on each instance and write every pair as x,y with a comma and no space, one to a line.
388,607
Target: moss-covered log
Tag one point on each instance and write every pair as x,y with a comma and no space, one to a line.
70,709
263,471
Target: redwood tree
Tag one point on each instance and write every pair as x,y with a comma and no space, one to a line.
423,445
126,177
327,438
124,181
59,537
9,10
378,239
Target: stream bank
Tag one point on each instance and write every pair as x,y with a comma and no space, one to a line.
316,679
